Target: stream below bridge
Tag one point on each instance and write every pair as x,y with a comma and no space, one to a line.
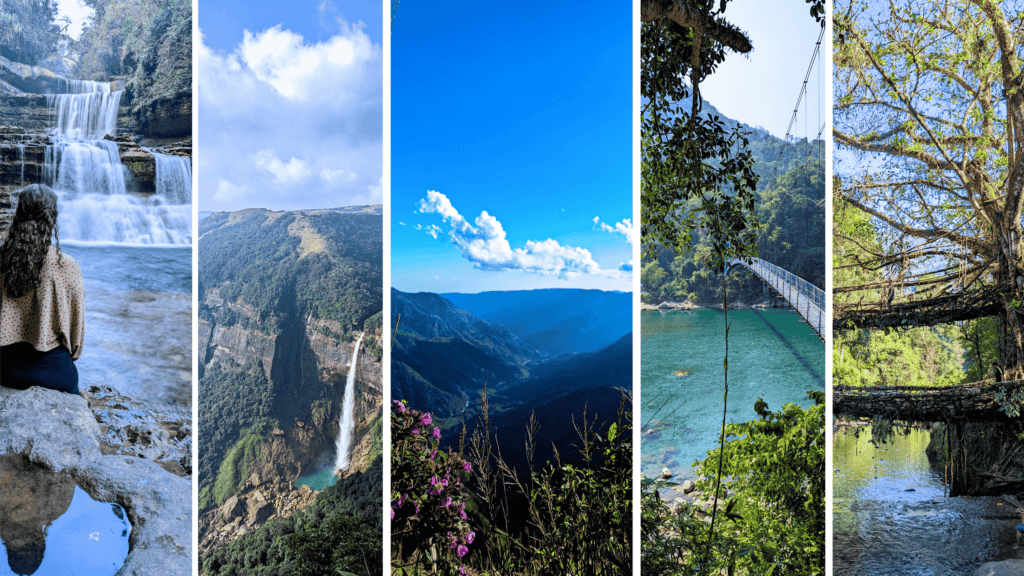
891,515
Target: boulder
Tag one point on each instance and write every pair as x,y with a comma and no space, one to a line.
57,431
1004,568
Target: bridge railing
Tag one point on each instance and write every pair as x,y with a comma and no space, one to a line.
812,292
806,298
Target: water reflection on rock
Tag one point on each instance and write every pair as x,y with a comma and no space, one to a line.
32,499
50,526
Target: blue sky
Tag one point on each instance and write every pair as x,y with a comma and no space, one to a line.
223,21
523,112
761,88
290,105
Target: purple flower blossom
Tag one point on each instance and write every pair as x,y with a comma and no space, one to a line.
437,433
462,570
415,431
426,419
467,467
461,551
392,513
461,513
447,502
399,407
434,480
470,537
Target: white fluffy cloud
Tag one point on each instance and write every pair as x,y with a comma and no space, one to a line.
484,243
624,228
284,123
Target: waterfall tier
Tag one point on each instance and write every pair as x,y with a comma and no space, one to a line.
347,421
88,116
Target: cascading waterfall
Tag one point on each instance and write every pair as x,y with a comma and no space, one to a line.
86,172
173,178
347,422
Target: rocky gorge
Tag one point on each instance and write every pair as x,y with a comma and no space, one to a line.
285,298
314,367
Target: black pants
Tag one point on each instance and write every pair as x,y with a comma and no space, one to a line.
22,366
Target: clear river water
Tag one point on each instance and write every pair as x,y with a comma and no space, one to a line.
773,354
890,514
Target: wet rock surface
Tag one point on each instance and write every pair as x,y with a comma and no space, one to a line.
60,433
1004,568
163,436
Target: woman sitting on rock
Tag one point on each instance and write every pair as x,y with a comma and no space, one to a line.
42,309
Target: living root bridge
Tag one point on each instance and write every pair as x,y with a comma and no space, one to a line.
926,312
974,402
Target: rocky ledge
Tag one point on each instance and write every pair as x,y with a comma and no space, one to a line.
1004,568
59,432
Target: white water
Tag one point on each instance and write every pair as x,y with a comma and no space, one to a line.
88,116
173,178
86,173
347,422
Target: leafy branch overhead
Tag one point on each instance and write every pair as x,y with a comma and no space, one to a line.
696,172
929,114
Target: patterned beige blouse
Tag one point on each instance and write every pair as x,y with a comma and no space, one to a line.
51,316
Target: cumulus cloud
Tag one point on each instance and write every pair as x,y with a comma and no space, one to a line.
291,123
484,243
625,228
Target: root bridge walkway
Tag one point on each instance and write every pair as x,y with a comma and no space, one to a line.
975,402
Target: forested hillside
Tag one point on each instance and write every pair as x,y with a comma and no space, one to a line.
342,529
284,297
791,208
325,263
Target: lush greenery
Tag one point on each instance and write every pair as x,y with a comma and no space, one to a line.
928,109
941,355
340,533
791,209
469,510
253,257
234,411
148,42
774,469
29,32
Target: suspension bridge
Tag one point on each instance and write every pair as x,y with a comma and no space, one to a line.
806,298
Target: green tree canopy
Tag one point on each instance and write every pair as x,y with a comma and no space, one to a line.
929,124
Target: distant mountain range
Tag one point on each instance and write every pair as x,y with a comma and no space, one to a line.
555,321
444,356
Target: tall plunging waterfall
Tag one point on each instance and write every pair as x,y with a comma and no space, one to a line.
347,422
86,172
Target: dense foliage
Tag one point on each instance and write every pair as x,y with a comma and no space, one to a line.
234,409
774,469
791,207
147,42
941,355
562,518
252,257
29,32
340,533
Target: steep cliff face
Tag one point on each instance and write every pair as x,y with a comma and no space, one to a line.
284,297
308,366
